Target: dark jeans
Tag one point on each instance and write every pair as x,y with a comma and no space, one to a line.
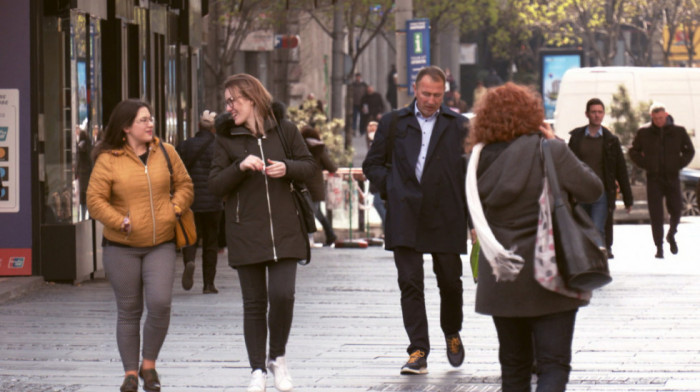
279,290
356,113
657,190
448,270
547,339
327,228
208,233
379,205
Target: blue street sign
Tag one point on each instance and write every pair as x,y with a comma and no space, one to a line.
417,48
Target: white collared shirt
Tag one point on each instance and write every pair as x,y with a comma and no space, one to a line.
426,126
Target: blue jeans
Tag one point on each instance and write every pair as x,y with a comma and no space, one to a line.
598,211
356,113
378,204
545,338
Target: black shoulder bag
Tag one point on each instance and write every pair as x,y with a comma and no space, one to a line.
581,255
302,199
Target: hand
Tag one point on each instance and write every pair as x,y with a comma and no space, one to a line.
252,162
472,232
126,225
275,169
177,210
547,131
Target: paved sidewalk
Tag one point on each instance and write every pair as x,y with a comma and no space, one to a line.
640,333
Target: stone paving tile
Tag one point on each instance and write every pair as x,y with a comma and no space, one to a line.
640,333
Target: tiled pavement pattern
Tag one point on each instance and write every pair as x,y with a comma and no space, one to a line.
641,333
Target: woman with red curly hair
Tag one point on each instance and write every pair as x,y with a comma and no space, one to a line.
506,182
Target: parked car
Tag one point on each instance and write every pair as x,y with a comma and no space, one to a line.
689,184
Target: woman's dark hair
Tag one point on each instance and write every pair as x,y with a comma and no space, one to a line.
309,132
122,117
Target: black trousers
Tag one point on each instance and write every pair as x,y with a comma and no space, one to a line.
546,338
273,281
657,190
448,271
208,233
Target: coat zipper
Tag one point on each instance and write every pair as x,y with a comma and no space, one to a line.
269,206
150,194
238,207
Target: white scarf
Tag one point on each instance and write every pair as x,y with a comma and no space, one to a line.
505,263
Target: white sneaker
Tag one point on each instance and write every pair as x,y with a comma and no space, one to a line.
278,367
257,381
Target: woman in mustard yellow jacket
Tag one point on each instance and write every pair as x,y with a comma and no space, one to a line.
129,193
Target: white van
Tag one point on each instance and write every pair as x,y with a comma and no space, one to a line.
677,88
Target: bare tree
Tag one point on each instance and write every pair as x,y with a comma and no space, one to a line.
364,20
230,22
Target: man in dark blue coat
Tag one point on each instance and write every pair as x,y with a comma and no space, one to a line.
197,153
416,161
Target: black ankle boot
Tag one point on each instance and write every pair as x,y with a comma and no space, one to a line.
130,384
659,252
151,383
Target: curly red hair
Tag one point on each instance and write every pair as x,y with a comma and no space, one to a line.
504,113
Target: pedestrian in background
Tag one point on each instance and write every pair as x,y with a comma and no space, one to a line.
422,181
263,233
358,89
315,184
83,168
391,83
372,108
597,147
377,200
662,149
129,192
197,153
531,321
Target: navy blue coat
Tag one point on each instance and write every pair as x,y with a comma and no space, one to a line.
204,200
430,216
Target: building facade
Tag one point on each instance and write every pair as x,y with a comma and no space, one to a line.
66,64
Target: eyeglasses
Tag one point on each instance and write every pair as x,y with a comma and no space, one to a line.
146,120
230,101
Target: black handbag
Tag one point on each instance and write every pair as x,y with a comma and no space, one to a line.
300,193
581,254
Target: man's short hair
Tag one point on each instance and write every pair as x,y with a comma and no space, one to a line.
594,101
657,107
433,71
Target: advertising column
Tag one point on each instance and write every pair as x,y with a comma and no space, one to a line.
12,261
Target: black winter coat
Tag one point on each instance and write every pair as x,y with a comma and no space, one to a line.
204,200
431,215
669,148
315,184
614,166
261,218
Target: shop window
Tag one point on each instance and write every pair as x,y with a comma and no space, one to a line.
72,86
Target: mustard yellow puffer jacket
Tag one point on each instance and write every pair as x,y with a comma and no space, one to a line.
121,184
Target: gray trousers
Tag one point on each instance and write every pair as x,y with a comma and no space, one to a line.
137,274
